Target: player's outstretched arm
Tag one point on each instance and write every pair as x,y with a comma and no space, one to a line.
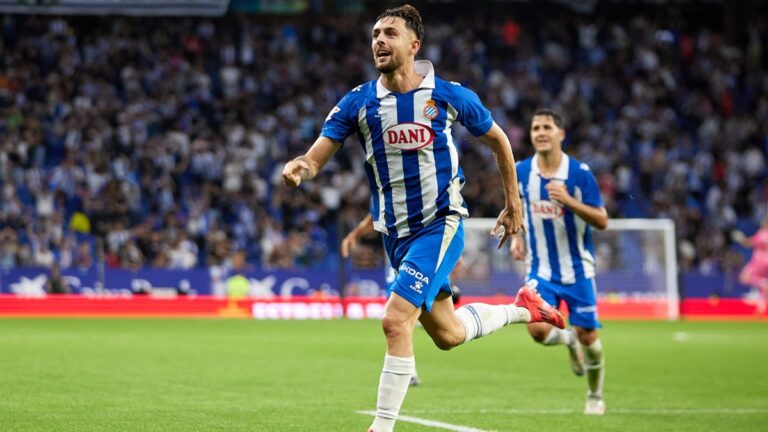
595,216
511,218
362,229
306,167
741,238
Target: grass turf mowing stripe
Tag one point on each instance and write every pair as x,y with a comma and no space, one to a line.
159,375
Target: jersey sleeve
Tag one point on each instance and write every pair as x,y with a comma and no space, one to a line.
590,191
342,120
471,111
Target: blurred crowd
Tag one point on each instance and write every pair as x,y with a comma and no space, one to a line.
160,142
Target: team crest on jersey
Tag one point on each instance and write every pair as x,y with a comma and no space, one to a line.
408,136
430,110
547,210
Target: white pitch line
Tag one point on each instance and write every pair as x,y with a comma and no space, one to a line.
697,411
652,411
430,423
709,337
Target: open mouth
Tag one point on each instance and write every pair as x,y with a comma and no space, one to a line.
382,55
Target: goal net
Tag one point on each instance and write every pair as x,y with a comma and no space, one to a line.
636,267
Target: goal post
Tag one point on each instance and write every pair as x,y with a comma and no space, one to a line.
636,267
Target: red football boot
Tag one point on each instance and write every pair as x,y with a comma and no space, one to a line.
540,310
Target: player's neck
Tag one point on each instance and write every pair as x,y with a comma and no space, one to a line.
549,162
402,80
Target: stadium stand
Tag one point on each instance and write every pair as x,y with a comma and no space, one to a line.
161,143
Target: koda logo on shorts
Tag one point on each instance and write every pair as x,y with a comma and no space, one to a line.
547,209
409,136
421,279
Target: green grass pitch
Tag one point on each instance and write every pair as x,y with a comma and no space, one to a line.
240,375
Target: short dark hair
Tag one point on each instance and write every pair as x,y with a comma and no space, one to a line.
556,116
410,15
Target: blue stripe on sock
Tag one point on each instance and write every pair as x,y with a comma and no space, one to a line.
477,320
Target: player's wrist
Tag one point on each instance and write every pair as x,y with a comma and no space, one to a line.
308,171
567,201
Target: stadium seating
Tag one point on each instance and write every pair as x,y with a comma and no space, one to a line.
170,138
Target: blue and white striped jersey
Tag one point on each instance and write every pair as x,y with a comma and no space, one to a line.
560,246
411,159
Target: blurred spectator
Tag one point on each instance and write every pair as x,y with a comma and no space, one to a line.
8,247
56,283
83,257
163,139
238,263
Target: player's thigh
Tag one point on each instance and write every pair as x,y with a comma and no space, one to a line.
441,323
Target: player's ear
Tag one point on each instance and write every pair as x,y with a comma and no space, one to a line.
415,46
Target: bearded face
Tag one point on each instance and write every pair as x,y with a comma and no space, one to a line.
392,44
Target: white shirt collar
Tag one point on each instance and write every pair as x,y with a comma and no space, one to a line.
562,170
423,68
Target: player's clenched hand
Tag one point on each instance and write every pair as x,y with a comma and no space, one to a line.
517,248
509,222
558,192
738,236
295,171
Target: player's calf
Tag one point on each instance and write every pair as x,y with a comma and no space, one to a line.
446,340
595,367
576,356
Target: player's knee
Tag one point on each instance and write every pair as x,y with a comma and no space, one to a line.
586,336
393,328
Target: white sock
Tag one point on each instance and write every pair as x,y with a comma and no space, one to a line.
595,365
482,319
395,377
558,336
